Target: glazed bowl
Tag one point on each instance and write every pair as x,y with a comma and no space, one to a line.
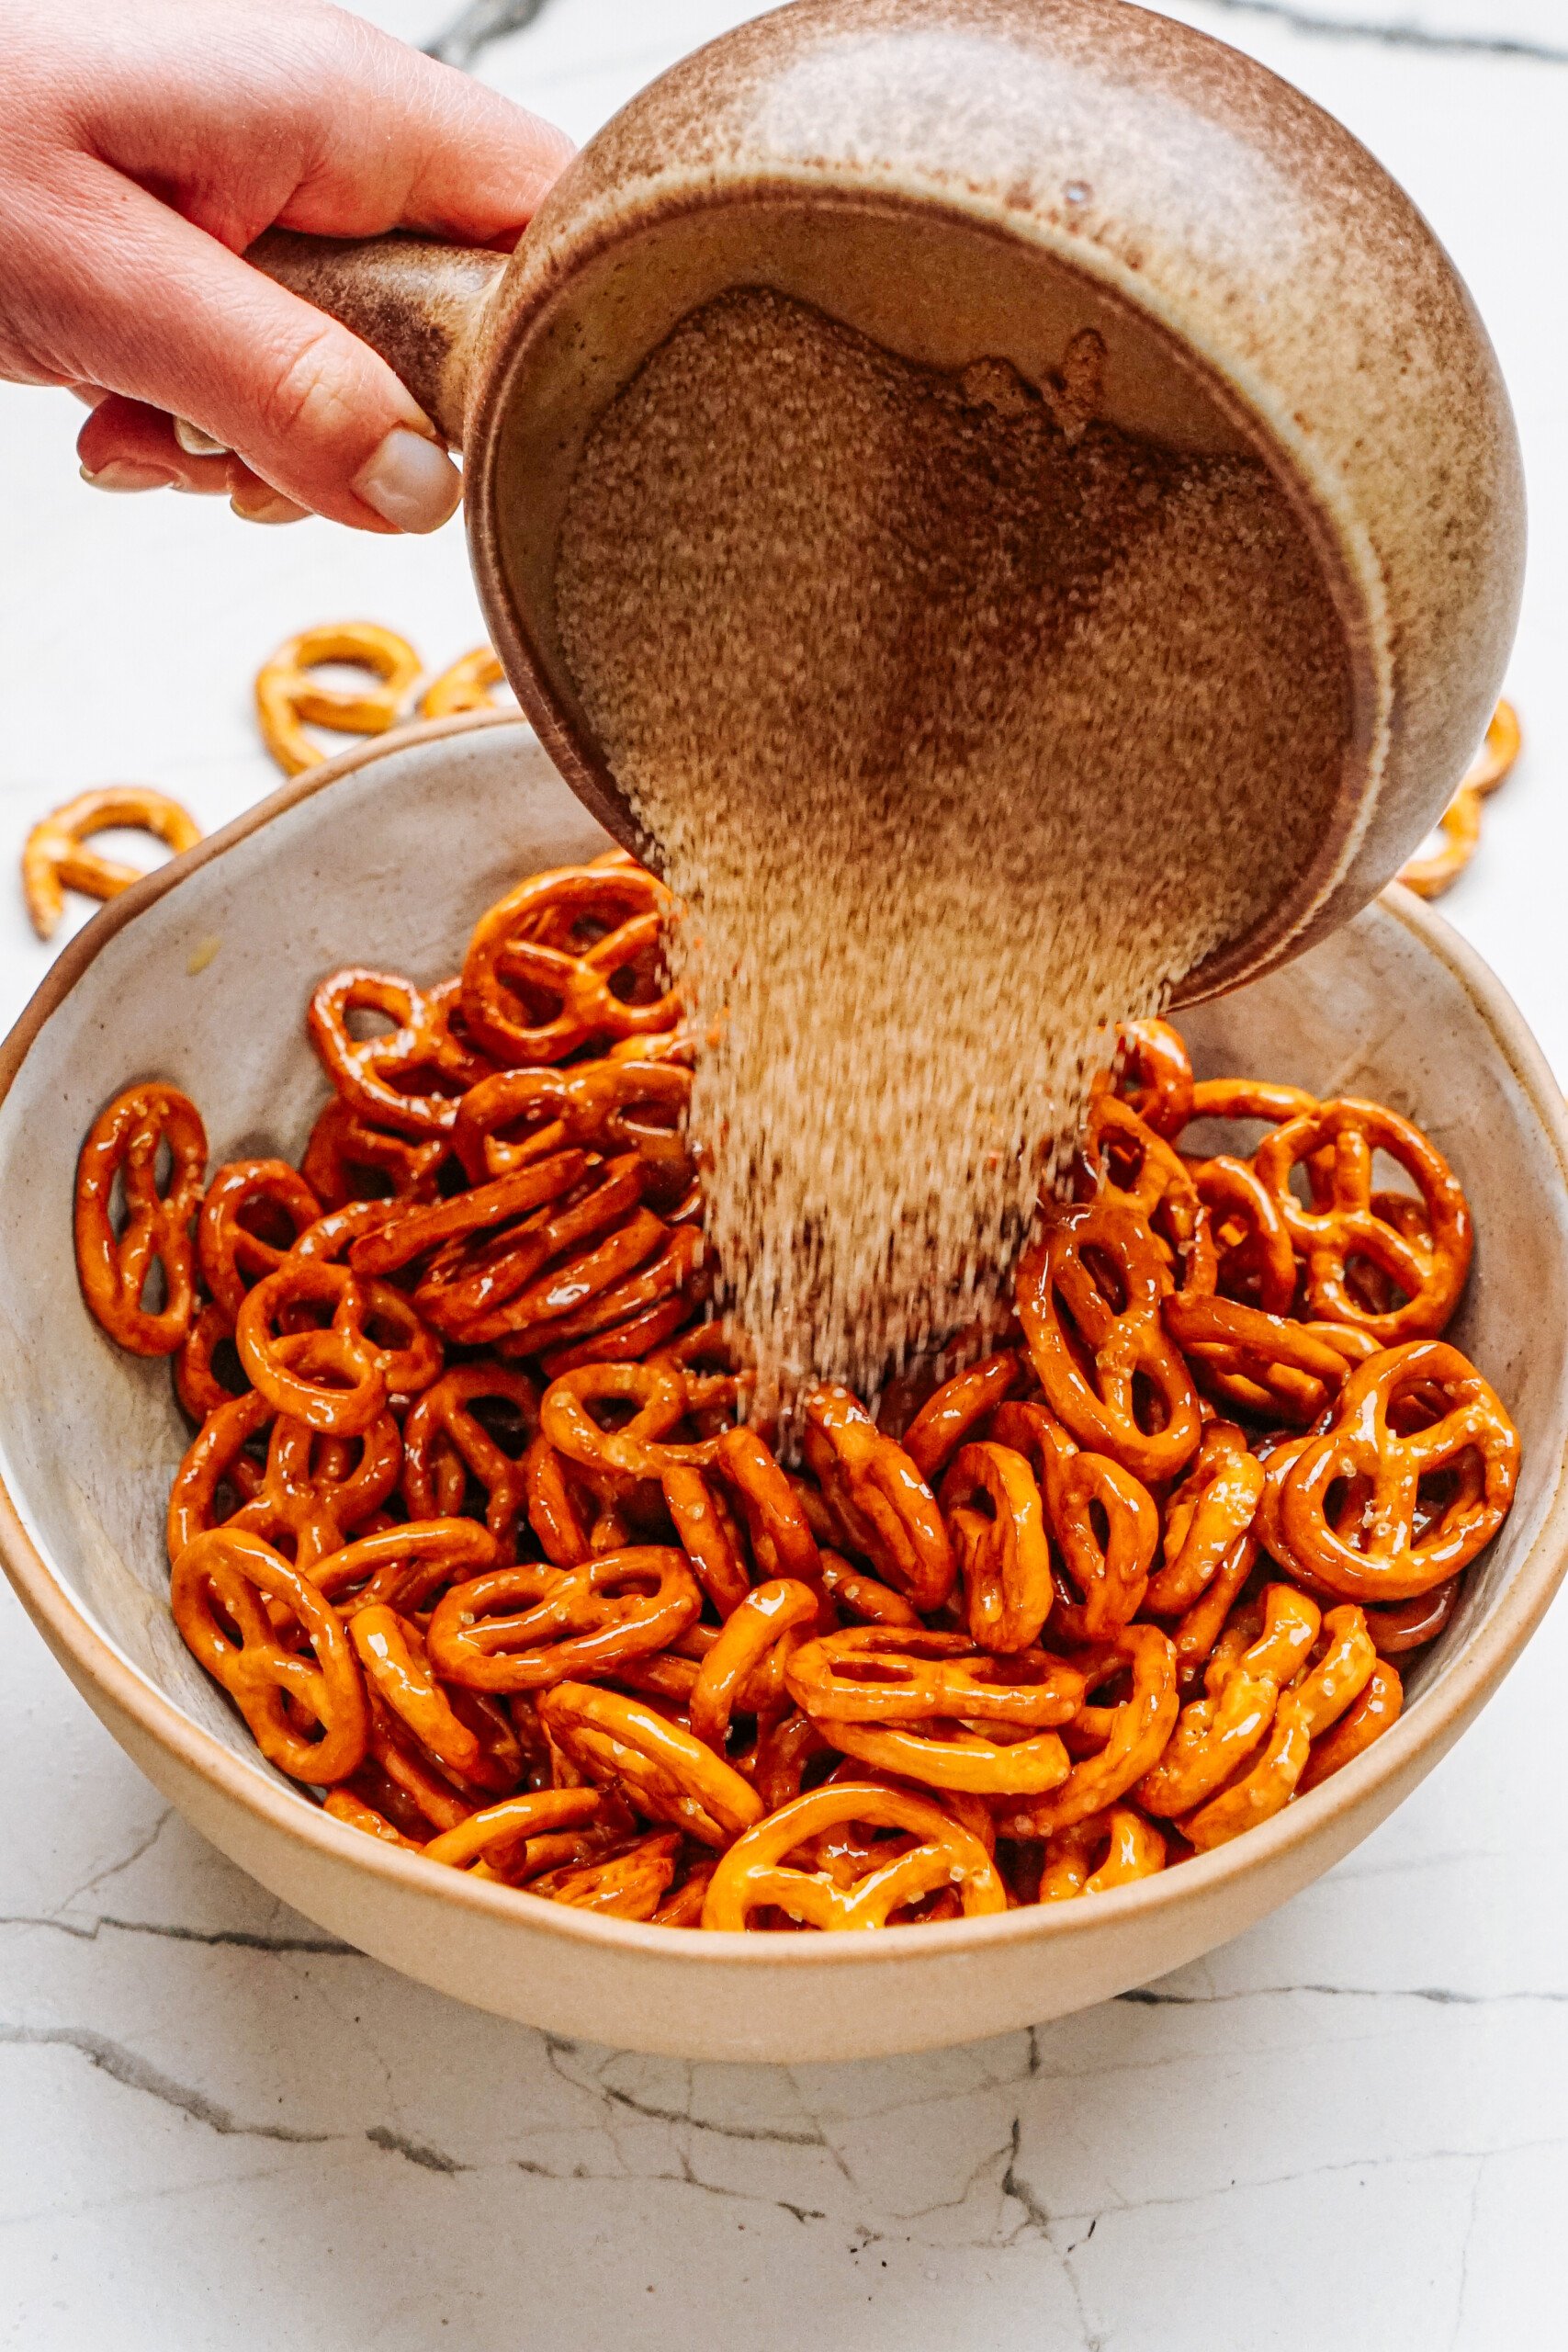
199,975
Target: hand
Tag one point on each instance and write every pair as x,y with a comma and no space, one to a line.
145,145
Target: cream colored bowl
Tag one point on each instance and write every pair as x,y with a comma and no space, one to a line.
199,975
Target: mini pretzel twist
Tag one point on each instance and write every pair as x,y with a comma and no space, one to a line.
1217,1736
996,1521
245,1196
536,989
525,1627
392,1651
347,1160
751,1657
404,1568
1458,827
1118,1742
54,859
1089,1293
664,1771
637,1448
445,1444
408,1081
1376,1548
333,1381
1336,1673
520,1116
309,1497
1153,1075
537,1813
1208,1520
905,1675
757,1874
1089,1857
287,695
1254,1259
1263,1363
465,685
1344,1223
953,1413
1126,1162
225,1589
881,1505
125,1142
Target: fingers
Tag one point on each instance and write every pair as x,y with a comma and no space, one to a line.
125,445
167,317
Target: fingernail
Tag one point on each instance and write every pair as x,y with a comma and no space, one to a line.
411,483
195,443
266,506
124,473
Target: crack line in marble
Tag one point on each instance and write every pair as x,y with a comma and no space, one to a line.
1443,1996
1393,35
134,2072
240,1939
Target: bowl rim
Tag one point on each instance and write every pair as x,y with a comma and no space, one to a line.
1470,1679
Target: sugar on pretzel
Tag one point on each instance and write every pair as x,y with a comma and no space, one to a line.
476,1532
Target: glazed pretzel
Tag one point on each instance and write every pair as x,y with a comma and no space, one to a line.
1120,1742
628,1301
878,1500
513,1821
465,685
1367,1718
535,991
781,1542
54,859
1383,1554
404,1568
485,1285
1262,1364
525,1627
1339,1671
1152,1074
1126,1162
756,1873
1217,1736
391,1652
996,1522
125,1142
308,1497
331,1379
288,696
243,1196
409,1080
1208,1520
1254,1259
1088,1296
225,1585
747,1662
1458,827
1099,1583
444,1445
905,1675
1089,1857
638,1448
519,1116
575,1513
198,1382
664,1771
347,1160
628,1884
953,1413
1344,1224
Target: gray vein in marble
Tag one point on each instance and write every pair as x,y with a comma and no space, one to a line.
1148,1996
417,2152
135,2073
1399,34
241,1938
112,1870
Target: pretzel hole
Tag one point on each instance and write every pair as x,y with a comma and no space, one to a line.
154,1294
1151,1409
365,1023
1107,1276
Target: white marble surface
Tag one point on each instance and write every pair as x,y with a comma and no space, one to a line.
220,2128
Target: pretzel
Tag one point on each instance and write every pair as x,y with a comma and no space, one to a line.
996,1522
444,1445
636,1448
953,1412
1380,1554
756,1875
534,990
520,1116
340,1387
1366,1719
1343,1222
877,1673
1154,1057
124,1143
1338,1672
1217,1736
1258,1363
1088,1296
1089,1857
392,1652
758,1638
288,696
465,685
617,1301
198,1382
1126,1162
54,860
243,1194
1411,1625
1098,1584
1121,1741
224,1585
1262,1099
1254,1259
1208,1520
404,1568
849,1588
1458,827
348,1159
378,1077
630,1884
880,1504
665,1772
525,1627
515,1819
309,1497
589,1231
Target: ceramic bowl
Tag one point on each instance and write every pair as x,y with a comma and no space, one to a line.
199,975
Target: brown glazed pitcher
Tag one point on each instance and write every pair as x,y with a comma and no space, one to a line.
962,178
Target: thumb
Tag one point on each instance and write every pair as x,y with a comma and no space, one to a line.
164,315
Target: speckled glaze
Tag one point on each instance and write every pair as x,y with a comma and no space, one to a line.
336,868
959,177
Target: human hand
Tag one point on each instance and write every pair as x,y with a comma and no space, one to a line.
145,145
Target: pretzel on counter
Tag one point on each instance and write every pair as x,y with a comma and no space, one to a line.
289,694
56,858
1458,827
478,1532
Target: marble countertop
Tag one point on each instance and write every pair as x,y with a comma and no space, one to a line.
219,2128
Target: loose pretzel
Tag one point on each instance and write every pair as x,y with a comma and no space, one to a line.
996,1522
1257,1362
308,1499
1458,827
525,1627
1380,1552
335,1383
520,1116
1254,1259
465,685
1344,1224
125,1142
392,1651
380,1077
629,1884
636,1448
1099,1583
54,859
894,1674
756,1875
1110,1848
1208,1520
536,1812
572,1249
445,1444
1153,1057
533,990
288,696
878,1500
198,1382
1131,1733
1088,1294
1126,1162
666,1773
404,1568
1338,1673
234,1254
758,1640
1366,1719
953,1412
1217,1736
224,1589
349,1159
